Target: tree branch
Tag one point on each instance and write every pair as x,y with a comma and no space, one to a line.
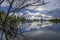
1,1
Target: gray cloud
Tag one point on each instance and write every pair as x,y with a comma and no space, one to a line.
52,5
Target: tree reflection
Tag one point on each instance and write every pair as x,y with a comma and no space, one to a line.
10,28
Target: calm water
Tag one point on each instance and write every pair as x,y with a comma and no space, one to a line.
41,30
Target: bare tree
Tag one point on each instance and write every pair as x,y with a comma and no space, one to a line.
15,6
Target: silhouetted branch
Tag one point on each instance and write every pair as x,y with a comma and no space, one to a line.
1,1
8,12
31,4
9,27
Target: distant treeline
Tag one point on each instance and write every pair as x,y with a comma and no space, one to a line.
23,19
54,20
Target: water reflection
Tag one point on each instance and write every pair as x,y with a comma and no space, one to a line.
41,31
34,26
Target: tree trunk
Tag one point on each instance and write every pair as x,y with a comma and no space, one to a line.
1,35
6,36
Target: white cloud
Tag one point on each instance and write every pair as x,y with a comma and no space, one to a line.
50,6
37,15
4,4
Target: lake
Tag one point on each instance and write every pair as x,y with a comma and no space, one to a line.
37,30
41,30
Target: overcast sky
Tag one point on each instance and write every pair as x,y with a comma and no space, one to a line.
52,5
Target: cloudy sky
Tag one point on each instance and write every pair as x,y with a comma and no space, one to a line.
52,5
